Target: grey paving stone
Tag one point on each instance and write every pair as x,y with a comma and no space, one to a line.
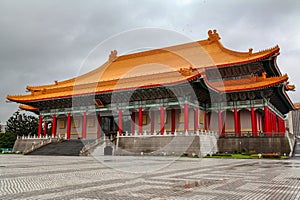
50,177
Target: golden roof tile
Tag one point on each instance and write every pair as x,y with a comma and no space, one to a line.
28,108
251,83
297,106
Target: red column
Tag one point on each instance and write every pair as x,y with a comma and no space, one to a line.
140,120
98,126
239,124
69,126
186,117
45,128
84,126
40,126
162,120
253,122
152,121
220,122
267,121
132,122
236,121
120,123
173,120
53,132
277,124
272,121
205,120
196,119
281,126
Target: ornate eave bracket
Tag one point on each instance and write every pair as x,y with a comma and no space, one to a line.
288,87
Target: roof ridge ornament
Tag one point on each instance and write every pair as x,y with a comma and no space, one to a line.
113,56
264,75
213,35
253,78
288,86
186,71
250,51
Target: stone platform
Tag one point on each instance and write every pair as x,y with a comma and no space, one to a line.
257,144
200,144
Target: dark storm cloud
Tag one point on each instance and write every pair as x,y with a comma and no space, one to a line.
43,41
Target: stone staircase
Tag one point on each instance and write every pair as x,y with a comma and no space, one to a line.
90,146
61,148
99,149
208,144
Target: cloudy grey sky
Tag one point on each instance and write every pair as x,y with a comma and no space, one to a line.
43,41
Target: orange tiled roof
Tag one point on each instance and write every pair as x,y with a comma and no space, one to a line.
297,105
145,69
106,86
244,84
28,108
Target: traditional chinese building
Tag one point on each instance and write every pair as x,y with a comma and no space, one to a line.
188,87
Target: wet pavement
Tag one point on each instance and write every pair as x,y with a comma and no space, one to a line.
105,177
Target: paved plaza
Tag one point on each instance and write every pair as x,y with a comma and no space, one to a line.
105,177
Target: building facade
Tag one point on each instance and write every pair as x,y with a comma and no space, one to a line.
189,87
293,121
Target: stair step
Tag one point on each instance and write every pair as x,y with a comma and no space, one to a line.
65,148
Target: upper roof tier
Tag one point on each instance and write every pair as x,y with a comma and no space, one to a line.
168,65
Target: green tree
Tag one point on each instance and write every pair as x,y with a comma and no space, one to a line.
22,124
7,140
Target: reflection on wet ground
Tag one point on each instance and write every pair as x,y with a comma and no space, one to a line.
50,177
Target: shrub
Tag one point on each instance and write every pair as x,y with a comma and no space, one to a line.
235,150
245,150
271,155
7,140
184,155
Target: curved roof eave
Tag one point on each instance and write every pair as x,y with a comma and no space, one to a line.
245,84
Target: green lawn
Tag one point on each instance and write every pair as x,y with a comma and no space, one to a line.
241,156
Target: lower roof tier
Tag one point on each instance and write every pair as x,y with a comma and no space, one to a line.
194,91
